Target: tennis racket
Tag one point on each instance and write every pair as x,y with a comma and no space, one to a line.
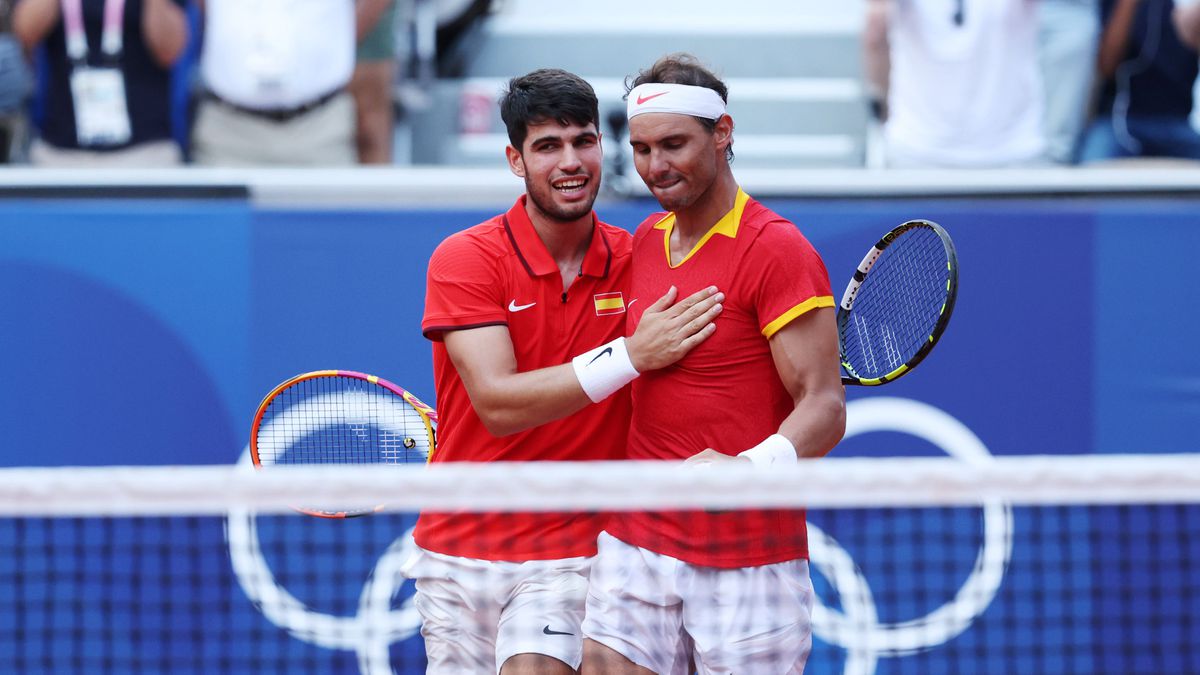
341,417
897,304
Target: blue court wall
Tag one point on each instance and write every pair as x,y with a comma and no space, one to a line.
146,331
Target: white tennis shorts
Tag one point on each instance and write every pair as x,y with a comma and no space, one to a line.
661,613
476,614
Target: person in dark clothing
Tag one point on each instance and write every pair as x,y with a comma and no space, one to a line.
1147,74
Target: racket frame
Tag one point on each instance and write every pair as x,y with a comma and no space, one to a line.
427,413
860,275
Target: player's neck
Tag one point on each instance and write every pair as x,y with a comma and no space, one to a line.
566,241
694,221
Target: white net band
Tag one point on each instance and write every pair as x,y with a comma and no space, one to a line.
613,486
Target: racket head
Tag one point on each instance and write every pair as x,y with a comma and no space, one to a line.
341,417
897,304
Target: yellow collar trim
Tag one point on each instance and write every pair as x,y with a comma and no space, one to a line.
727,226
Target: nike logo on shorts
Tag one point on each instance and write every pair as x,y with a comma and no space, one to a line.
547,631
607,351
514,307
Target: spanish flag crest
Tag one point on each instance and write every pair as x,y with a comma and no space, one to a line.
609,303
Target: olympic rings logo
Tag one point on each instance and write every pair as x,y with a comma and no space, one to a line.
368,633
856,627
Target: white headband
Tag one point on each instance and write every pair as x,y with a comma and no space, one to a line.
683,99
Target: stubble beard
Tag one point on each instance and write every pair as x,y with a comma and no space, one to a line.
545,203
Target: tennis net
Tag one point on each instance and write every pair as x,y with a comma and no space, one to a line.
1086,564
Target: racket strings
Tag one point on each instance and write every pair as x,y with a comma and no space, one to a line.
898,306
341,420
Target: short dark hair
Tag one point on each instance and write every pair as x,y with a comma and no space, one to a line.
547,94
683,68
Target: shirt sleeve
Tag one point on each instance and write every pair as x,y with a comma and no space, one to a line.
463,289
793,279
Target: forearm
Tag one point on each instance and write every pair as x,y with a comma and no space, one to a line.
165,30
877,61
806,357
1115,39
32,20
518,401
367,14
816,424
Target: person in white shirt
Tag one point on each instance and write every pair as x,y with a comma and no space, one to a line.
957,81
1069,42
276,74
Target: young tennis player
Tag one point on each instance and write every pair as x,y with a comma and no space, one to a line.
526,312
730,591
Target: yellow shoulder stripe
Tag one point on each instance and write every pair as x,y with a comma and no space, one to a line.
787,317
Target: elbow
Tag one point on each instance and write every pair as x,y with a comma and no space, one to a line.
25,32
499,425
1107,67
837,420
166,36
168,56
498,420
833,413
825,421
167,53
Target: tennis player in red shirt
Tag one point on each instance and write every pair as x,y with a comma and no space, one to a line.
526,312
727,591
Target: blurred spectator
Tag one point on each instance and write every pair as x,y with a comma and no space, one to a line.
16,83
957,82
1069,40
106,95
373,80
1148,74
277,75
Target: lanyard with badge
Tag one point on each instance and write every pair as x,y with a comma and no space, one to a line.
101,115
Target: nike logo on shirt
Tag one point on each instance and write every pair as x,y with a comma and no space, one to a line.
514,307
547,631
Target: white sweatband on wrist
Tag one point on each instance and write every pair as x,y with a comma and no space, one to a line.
775,450
682,99
604,370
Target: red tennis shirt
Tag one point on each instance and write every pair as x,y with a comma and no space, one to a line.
499,273
726,393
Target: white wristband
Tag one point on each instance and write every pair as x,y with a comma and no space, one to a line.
604,370
773,451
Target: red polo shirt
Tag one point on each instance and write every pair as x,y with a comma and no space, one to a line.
499,273
726,393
